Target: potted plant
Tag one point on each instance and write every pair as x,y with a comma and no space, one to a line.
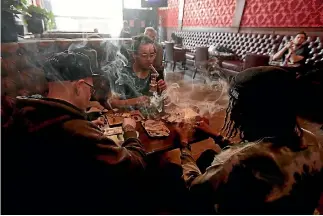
9,11
40,19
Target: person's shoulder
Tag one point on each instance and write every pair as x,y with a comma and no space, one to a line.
235,153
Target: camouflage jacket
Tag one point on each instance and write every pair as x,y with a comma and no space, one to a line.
258,178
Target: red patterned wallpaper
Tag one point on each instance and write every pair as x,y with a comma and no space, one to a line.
283,13
257,13
170,14
202,13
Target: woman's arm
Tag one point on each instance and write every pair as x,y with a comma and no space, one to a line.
118,103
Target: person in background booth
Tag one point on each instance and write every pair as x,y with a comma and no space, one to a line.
176,40
125,27
132,85
278,167
58,162
295,51
125,46
158,62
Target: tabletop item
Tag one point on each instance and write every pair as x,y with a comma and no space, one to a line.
155,128
153,81
283,64
113,131
136,115
115,119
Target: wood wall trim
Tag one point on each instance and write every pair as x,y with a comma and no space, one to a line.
238,13
311,31
211,29
181,6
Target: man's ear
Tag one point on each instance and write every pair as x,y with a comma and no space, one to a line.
77,86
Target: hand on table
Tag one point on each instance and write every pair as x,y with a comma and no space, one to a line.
96,104
98,122
129,122
183,130
203,126
143,100
161,85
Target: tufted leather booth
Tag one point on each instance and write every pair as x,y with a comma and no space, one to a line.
21,68
243,43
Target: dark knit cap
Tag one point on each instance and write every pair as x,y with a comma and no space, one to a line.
69,66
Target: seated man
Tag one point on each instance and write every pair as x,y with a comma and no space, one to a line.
133,83
295,51
125,46
158,62
176,40
276,170
57,162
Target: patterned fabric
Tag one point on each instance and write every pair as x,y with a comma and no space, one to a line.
170,14
208,13
257,13
258,178
283,13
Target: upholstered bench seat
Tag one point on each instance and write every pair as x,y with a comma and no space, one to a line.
235,65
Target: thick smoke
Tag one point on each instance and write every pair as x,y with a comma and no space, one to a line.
207,98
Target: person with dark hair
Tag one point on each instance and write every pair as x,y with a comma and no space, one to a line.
295,51
125,27
58,162
125,46
176,40
158,62
277,169
132,84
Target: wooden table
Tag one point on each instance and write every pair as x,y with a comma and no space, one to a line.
161,144
155,145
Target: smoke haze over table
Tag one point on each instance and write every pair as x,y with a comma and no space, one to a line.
209,98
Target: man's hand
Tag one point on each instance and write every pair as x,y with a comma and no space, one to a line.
143,100
96,104
161,85
129,122
289,44
183,131
203,126
98,122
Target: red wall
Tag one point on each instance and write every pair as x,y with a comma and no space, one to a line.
208,13
170,14
257,13
283,13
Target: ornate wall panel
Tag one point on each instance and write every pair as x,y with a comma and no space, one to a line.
283,13
169,15
208,13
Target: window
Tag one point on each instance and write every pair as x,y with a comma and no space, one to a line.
75,15
132,4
